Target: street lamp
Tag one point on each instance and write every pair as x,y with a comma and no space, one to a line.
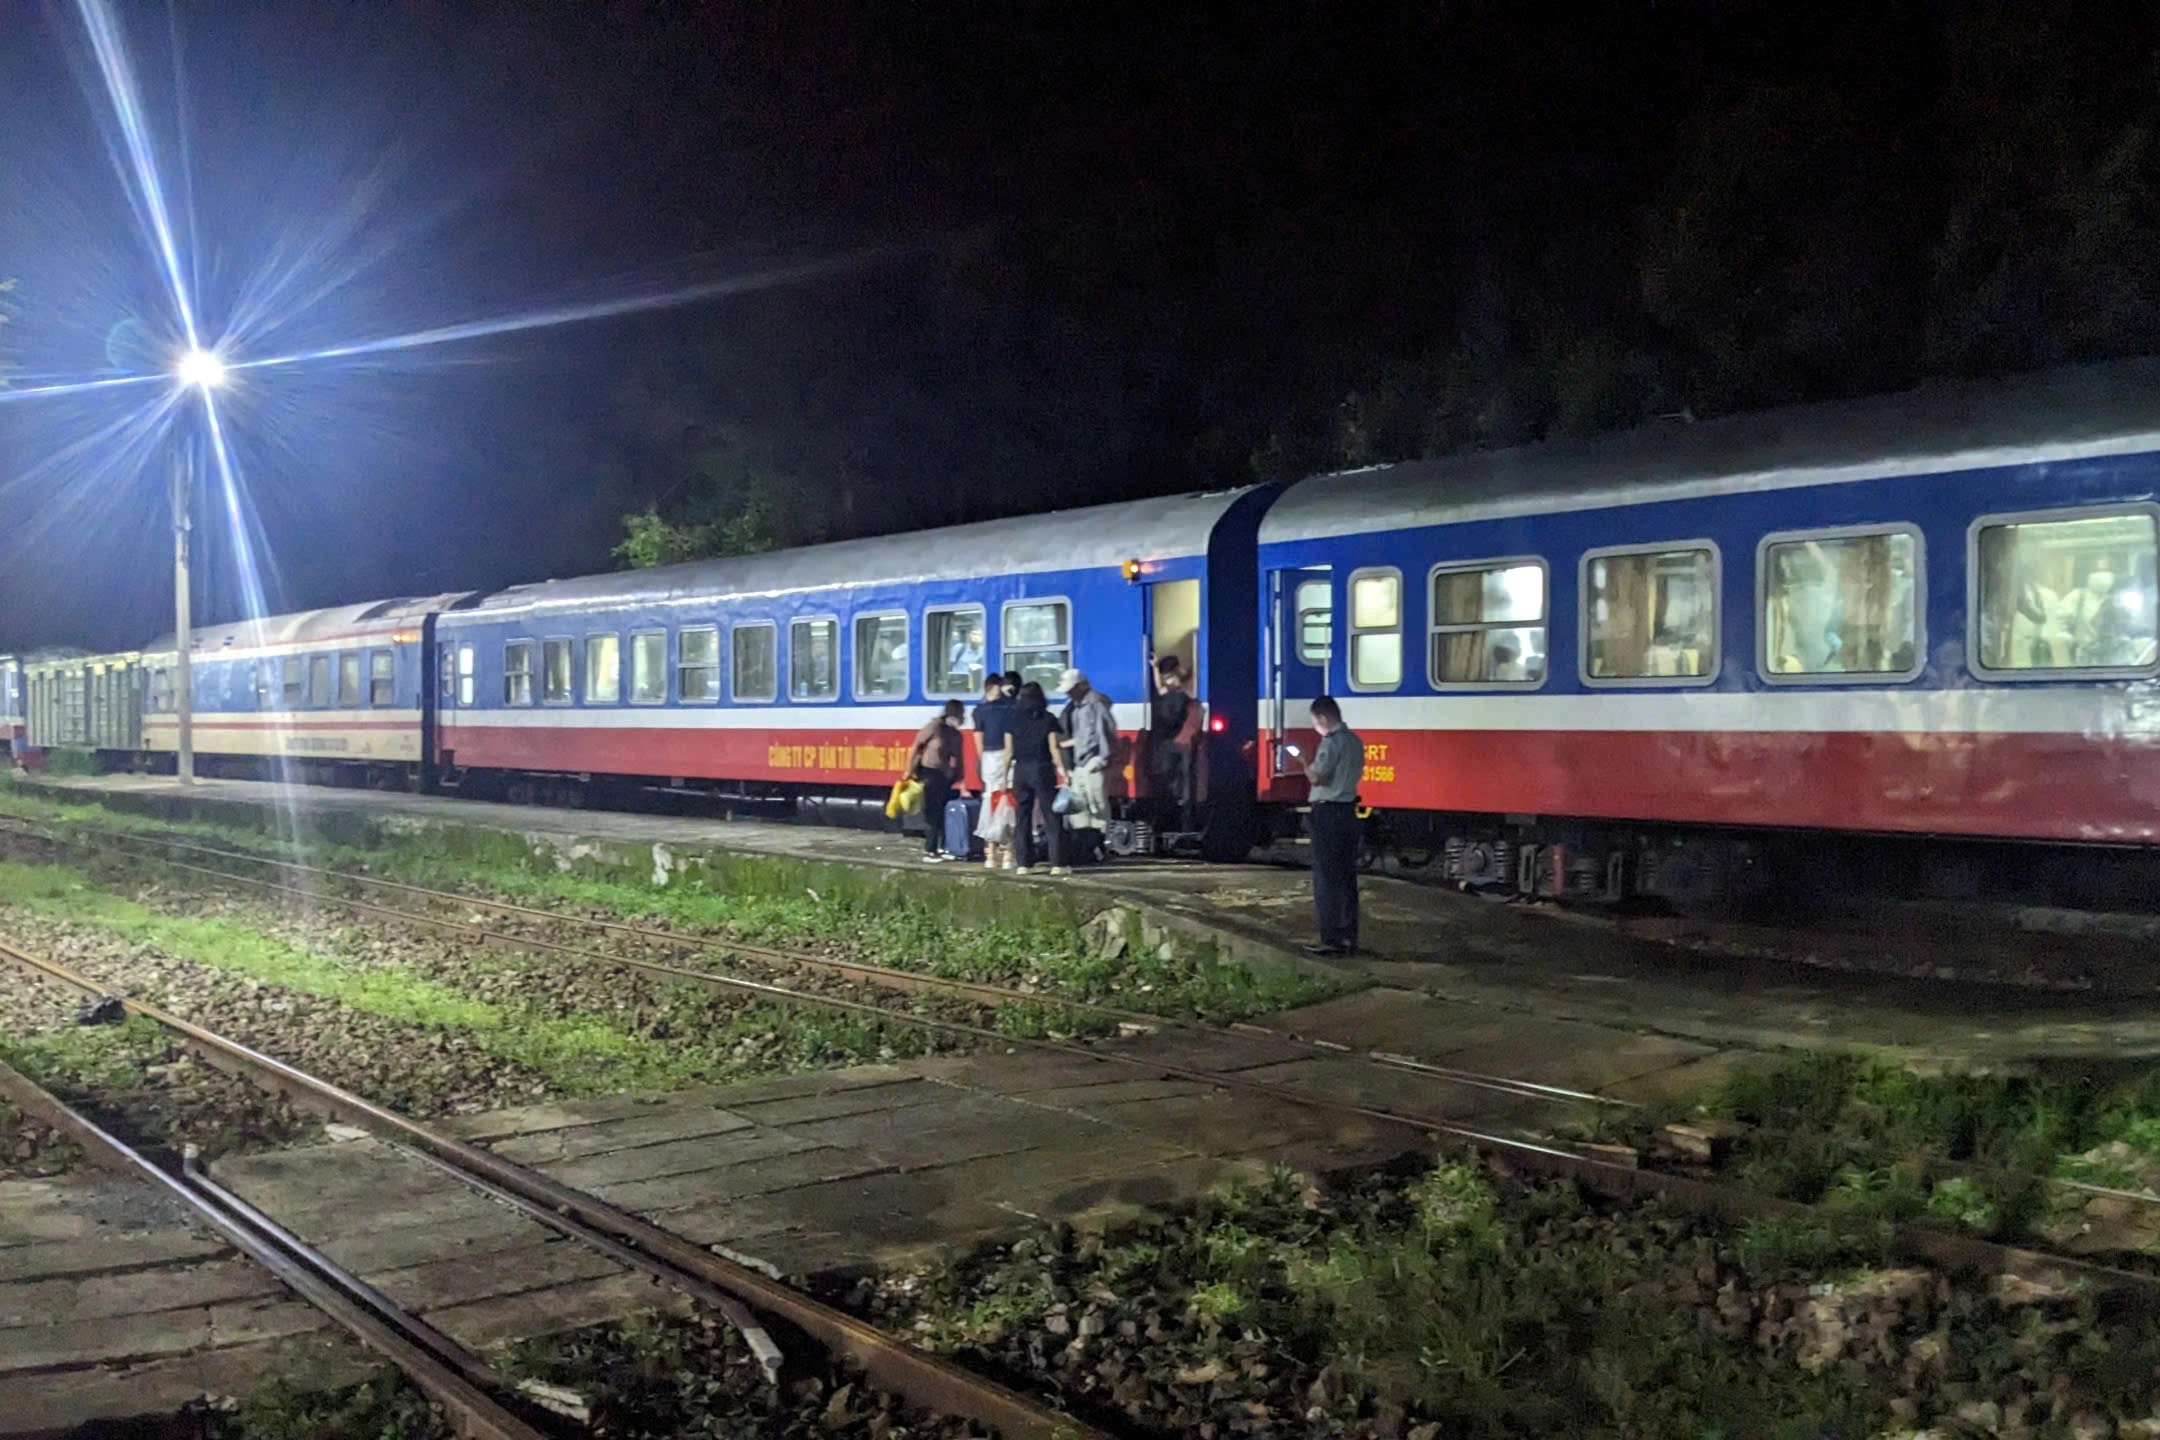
202,370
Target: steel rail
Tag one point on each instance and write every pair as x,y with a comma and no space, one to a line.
883,975
444,1370
935,1384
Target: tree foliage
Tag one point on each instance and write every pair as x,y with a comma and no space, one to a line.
1434,236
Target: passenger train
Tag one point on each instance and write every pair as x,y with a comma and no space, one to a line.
1916,633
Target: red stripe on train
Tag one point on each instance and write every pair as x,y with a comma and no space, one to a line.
2038,786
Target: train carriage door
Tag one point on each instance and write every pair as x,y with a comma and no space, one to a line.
1173,628
1300,645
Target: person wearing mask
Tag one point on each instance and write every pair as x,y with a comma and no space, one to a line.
1038,769
936,760
1173,730
1333,771
1091,741
993,717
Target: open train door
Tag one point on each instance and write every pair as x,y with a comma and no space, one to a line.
1300,644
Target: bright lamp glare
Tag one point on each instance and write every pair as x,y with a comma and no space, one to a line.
201,369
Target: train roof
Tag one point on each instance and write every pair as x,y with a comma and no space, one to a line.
305,627
1163,528
2064,414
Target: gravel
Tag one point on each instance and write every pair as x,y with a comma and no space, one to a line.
420,1069
1134,1343
30,1149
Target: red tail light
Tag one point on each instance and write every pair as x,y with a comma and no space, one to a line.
1217,724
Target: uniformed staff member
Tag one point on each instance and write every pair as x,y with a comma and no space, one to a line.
1336,766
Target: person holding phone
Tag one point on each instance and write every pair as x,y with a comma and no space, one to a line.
1333,772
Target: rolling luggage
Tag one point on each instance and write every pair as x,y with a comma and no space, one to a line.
960,815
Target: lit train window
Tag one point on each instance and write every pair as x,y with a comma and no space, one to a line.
813,659
1375,629
518,672
318,680
1038,640
603,669
697,670
265,678
648,667
1841,603
382,684
1488,624
348,680
1650,615
555,671
757,667
956,654
2066,592
1315,606
466,678
881,657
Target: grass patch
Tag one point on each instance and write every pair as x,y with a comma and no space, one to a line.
90,1057
579,1054
383,1407
1478,1309
1869,1137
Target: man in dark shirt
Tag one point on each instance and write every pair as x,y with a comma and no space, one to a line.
1333,770
1172,728
993,717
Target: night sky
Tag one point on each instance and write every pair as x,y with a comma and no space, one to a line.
1110,252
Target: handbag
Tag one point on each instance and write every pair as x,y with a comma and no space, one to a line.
1068,802
905,799
997,822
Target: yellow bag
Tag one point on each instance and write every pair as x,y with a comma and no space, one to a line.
906,798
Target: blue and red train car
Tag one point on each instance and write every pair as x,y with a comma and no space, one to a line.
1640,663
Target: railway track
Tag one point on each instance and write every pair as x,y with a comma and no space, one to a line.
774,959
1526,1152
468,1391
472,1396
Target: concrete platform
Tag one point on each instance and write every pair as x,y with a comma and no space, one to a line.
112,1305
1503,960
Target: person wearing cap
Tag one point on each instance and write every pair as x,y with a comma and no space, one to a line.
1091,739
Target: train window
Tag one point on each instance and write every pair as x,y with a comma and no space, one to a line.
1650,615
517,672
881,657
467,675
956,655
555,671
603,669
1840,604
757,668
648,667
348,680
318,681
446,677
382,677
2056,592
1038,640
814,659
265,680
697,668
1375,629
161,690
1488,624
1315,606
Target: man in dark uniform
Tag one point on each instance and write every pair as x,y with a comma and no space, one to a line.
1336,766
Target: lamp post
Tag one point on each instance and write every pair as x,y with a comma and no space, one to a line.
201,370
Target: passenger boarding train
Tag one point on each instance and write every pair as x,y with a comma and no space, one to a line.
1658,663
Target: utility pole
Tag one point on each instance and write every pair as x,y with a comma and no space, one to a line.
183,639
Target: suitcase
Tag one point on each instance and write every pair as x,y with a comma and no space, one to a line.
961,813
